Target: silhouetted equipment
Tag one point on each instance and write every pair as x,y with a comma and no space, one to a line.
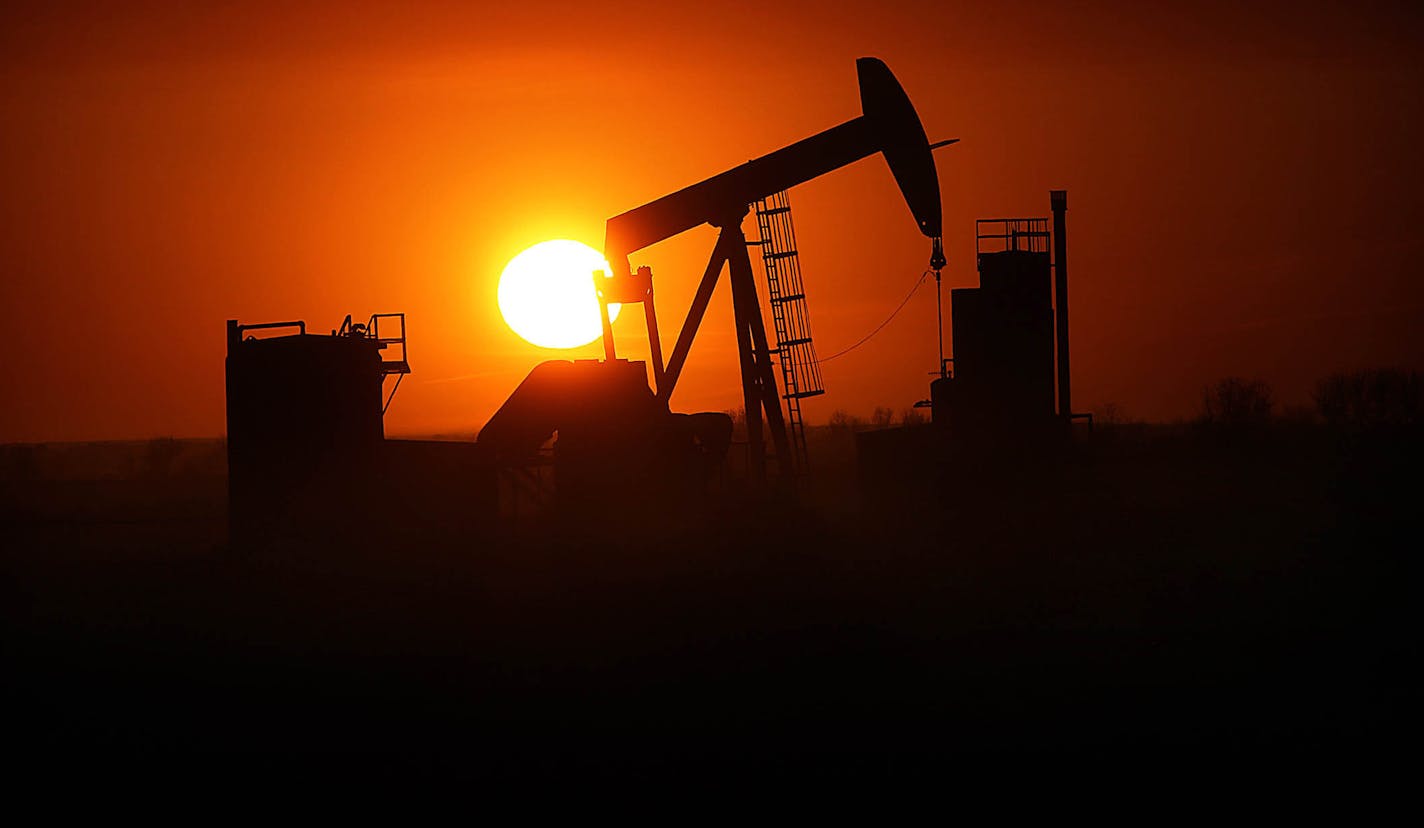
1005,363
888,125
307,454
994,416
617,442
937,263
615,439
397,364
791,320
1003,331
637,289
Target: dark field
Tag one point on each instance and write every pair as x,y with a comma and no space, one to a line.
1152,592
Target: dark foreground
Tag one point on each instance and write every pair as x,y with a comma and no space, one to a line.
1217,596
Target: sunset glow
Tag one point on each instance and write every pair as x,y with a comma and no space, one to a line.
1004,381
181,165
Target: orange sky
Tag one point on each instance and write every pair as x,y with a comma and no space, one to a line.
1245,187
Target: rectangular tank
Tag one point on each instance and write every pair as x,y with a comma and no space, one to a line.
1003,346
304,429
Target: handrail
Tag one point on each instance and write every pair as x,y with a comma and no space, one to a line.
300,325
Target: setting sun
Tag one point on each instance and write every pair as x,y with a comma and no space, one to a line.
546,294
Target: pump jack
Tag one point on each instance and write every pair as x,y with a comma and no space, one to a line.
607,420
889,125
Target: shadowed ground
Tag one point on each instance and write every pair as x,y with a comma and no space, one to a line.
1155,592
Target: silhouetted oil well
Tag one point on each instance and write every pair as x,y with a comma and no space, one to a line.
605,413
306,442
307,453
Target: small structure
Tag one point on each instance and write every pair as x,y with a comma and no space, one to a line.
1007,357
307,454
994,415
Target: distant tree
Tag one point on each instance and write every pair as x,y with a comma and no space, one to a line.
1236,402
882,418
1367,399
912,417
842,421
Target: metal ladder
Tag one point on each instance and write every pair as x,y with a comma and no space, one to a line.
800,370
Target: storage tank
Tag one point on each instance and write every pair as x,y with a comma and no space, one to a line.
1003,348
304,428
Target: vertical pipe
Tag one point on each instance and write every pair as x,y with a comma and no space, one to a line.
939,309
1058,200
609,353
937,263
655,344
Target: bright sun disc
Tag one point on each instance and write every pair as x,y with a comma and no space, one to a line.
546,294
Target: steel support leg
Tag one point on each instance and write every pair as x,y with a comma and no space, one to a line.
758,383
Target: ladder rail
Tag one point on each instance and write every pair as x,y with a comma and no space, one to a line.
800,370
